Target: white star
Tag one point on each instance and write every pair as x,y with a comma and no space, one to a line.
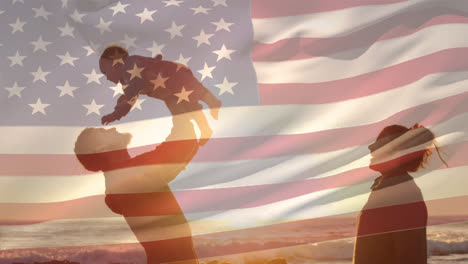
17,26
66,30
206,71
17,59
66,89
135,72
172,3
137,104
77,17
182,61
93,108
200,10
223,53
226,86
203,38
41,12
93,77
219,2
174,30
129,42
38,107
118,8
222,25
159,82
15,90
156,49
67,59
64,3
118,89
103,26
183,95
14,1
40,44
146,15
91,48
2,11
39,75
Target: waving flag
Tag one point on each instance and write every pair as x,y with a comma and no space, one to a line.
306,86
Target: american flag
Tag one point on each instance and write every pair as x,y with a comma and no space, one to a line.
305,85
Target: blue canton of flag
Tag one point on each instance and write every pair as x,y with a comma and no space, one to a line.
51,75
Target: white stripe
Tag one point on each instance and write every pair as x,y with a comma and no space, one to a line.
340,22
43,189
352,63
435,185
256,120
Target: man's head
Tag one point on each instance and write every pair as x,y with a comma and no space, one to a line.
111,62
94,146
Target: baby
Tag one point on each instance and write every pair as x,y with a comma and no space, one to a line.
171,82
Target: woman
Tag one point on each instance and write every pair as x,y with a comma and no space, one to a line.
137,188
391,227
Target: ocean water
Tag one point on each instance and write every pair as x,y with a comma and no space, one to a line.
447,243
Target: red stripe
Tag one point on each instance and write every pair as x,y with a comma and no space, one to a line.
276,8
193,201
283,235
405,73
249,148
398,26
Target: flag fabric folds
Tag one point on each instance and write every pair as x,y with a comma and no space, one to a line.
305,87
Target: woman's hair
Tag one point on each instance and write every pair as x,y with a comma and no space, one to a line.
415,136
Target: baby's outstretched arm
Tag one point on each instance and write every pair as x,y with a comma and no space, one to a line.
124,104
213,103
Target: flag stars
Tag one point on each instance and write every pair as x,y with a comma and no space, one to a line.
219,3
14,90
66,89
183,95
135,72
182,62
175,30
155,49
200,10
146,15
64,3
137,104
206,71
17,59
103,26
222,25
67,59
118,89
159,82
39,107
77,17
41,12
223,53
66,30
226,86
40,44
91,48
118,8
17,26
93,108
172,3
93,77
40,75
17,1
203,38
128,42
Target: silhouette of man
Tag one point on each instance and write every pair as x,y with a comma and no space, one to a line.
391,227
137,188
171,82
